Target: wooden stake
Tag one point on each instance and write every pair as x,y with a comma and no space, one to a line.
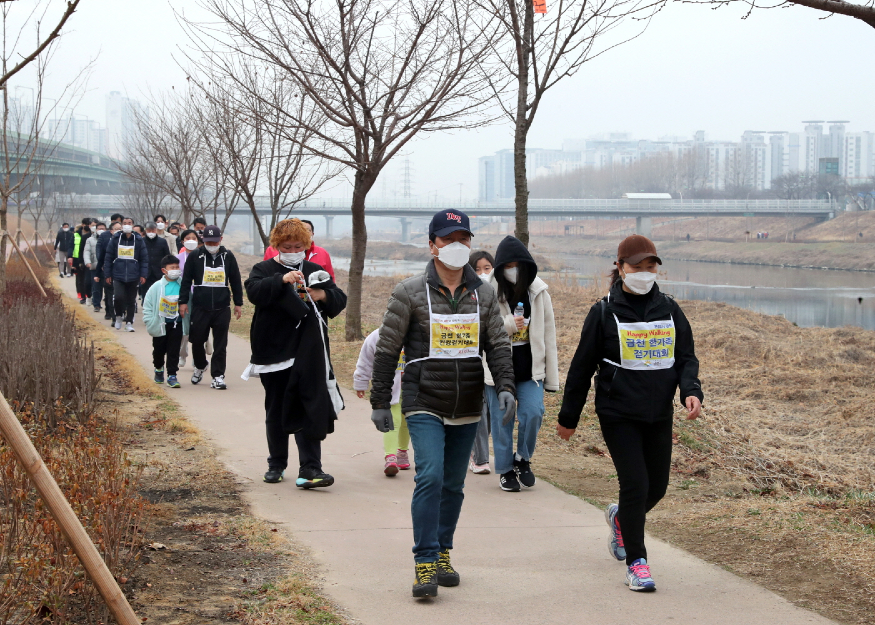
11,239
32,252
64,516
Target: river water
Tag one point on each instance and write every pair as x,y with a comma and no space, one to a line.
807,297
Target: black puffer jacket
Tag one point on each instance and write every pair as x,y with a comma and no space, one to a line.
449,388
624,393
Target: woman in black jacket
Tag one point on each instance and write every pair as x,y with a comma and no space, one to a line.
641,344
294,299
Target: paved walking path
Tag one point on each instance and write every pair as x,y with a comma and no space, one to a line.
535,557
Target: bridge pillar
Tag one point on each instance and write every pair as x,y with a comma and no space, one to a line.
329,226
405,229
644,226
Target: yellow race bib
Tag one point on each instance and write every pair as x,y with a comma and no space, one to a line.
126,251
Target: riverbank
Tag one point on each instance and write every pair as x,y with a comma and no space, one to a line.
779,471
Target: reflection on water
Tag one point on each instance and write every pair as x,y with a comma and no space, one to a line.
807,297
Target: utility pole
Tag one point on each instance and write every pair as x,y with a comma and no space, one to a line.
406,179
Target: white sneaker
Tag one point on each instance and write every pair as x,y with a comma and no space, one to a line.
480,469
219,383
117,325
181,363
197,376
129,327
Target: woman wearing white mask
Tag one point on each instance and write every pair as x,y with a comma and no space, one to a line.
641,344
527,312
293,300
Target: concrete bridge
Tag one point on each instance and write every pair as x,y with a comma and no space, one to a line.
406,209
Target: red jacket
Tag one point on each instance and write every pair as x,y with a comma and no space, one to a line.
315,254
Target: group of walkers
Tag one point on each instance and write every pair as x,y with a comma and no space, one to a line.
466,350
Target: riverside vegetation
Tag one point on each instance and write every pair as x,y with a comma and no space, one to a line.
778,475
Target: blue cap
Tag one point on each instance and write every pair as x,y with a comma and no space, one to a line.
448,221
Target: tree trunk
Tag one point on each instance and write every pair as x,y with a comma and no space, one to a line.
3,207
363,183
521,130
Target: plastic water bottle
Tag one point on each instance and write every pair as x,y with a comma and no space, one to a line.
520,310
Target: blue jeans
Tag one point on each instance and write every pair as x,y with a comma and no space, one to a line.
440,453
529,413
96,290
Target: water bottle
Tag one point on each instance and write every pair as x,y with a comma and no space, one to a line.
520,310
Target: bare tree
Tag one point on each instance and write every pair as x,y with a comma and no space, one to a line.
169,153
24,149
863,11
142,202
379,72
533,55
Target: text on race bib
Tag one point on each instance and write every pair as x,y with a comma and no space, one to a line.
125,251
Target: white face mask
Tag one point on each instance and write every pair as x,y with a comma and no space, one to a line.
160,226
292,259
212,249
65,229
640,282
127,229
511,273
151,235
173,274
190,245
455,255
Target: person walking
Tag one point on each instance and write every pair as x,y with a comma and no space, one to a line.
164,323
89,257
63,244
640,344
158,249
527,311
83,277
208,274
396,441
443,319
482,262
315,254
125,265
189,242
165,233
102,243
291,354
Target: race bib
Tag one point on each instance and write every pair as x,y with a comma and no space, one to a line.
126,251
214,276
521,337
647,345
402,361
455,336
168,306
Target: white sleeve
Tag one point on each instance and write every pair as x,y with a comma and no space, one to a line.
364,368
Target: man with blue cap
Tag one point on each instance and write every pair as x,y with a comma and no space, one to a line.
444,319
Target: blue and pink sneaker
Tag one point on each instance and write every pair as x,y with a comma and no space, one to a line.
615,542
638,576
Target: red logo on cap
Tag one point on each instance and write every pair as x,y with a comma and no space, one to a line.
454,217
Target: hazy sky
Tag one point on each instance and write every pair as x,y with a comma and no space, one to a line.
693,69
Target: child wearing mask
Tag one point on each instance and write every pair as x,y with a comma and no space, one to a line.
482,263
163,321
527,311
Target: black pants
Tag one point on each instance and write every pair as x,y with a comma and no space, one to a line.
125,299
167,346
83,279
309,451
642,456
202,321
97,285
109,301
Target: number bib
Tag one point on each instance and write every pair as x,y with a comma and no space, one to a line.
213,276
521,337
646,345
168,306
453,336
402,361
126,251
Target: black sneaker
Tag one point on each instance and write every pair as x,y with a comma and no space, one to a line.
159,376
425,584
446,574
524,471
509,482
313,478
273,476
108,316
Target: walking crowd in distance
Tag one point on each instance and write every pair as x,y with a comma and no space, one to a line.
465,352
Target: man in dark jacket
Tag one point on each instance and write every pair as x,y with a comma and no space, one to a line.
126,265
115,225
83,274
63,243
444,319
158,249
208,273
